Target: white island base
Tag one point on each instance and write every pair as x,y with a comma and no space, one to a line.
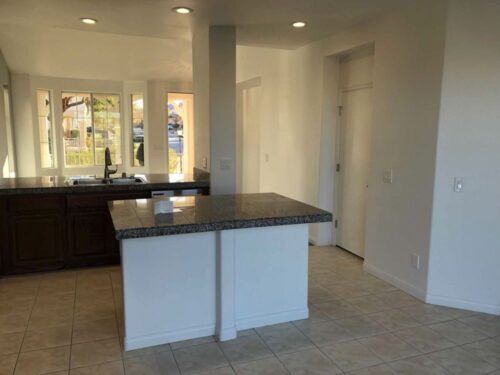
185,286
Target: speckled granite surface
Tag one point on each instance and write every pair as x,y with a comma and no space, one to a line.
136,218
56,185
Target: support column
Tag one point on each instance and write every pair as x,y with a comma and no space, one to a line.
214,81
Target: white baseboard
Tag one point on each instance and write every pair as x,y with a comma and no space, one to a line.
397,282
167,337
463,304
268,319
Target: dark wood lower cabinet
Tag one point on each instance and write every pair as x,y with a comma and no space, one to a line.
88,239
36,242
48,232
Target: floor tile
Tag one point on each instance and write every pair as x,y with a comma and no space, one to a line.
286,340
246,332
95,330
309,362
460,362
323,332
245,349
199,357
424,339
45,338
94,312
43,361
338,309
218,371
427,314
109,368
369,304
319,294
361,326
10,343
7,364
488,350
268,366
394,320
15,322
374,370
418,366
45,318
159,363
55,301
95,352
457,332
490,327
186,343
351,355
398,298
16,306
389,347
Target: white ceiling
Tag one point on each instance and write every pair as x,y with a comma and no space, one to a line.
144,39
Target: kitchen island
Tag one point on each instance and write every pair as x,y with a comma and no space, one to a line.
216,265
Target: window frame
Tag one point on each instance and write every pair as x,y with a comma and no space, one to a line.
94,167
55,133
131,135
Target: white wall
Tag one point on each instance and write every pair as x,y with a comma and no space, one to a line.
22,110
407,81
155,118
465,248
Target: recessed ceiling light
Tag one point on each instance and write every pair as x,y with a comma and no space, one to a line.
299,24
182,10
89,21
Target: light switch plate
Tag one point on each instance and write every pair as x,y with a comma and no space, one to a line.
205,162
458,184
387,176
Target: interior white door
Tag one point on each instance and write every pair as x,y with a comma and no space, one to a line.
355,140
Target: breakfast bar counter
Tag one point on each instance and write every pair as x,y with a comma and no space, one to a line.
215,265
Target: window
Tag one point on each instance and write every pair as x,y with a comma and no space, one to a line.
91,122
180,132
46,131
137,130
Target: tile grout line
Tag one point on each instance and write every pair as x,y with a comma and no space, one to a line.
117,324
27,325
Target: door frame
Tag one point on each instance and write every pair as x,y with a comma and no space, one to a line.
338,144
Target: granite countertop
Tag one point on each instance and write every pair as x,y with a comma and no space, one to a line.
59,184
136,218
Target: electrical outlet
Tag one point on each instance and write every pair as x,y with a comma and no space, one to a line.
387,176
205,162
415,261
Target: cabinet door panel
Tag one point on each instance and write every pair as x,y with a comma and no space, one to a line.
36,242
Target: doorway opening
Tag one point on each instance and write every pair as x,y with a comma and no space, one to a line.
180,129
354,135
249,131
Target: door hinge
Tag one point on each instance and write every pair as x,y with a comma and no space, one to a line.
340,107
336,223
337,168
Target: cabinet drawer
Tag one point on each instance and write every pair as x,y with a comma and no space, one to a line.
35,204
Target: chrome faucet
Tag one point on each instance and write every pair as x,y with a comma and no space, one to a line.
107,163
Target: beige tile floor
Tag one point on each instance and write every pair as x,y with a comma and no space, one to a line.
69,323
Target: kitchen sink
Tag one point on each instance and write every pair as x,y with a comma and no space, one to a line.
93,181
